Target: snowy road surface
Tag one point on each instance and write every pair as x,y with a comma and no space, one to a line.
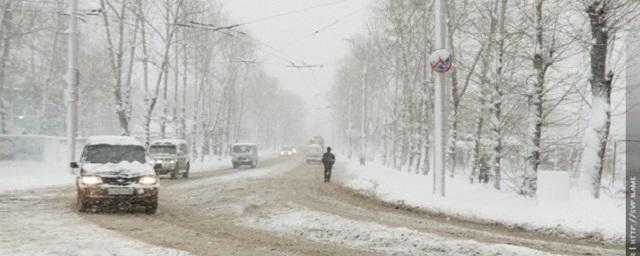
281,208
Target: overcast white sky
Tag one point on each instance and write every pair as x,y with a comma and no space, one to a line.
293,35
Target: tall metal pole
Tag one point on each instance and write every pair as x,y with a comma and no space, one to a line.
72,80
350,131
440,100
363,159
613,169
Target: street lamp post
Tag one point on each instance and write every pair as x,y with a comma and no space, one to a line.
350,122
363,156
72,80
363,136
440,111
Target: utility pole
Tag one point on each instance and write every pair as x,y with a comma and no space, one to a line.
349,132
72,80
363,156
440,101
613,169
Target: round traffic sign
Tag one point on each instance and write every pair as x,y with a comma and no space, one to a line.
441,60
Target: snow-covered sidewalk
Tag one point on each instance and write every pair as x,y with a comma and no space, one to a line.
602,219
20,175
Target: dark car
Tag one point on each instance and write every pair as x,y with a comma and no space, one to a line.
116,171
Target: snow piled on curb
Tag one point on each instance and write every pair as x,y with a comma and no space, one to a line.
20,175
362,235
599,219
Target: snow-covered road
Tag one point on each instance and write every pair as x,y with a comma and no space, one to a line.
41,222
281,208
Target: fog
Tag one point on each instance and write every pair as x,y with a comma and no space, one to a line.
295,38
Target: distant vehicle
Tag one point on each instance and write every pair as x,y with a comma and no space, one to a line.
244,154
313,154
319,140
170,156
287,151
116,170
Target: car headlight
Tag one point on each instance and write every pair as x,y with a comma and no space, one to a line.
148,180
90,180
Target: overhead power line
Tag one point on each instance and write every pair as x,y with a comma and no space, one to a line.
213,26
323,28
291,12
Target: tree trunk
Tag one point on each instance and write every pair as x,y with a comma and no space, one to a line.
185,72
116,64
597,133
496,110
6,28
176,85
455,98
484,87
541,62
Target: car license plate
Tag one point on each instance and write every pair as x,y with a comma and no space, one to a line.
120,191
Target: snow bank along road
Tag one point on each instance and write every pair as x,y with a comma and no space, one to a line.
281,208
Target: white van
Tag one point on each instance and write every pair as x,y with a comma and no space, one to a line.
170,156
313,153
244,154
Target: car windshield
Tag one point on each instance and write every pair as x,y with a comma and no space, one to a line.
314,150
162,149
243,149
102,154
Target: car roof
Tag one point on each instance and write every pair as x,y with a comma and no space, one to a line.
113,140
168,142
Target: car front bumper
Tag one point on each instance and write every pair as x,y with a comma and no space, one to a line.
314,159
138,193
164,167
242,160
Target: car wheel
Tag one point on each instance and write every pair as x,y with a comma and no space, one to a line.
81,204
174,173
253,165
151,208
235,166
186,172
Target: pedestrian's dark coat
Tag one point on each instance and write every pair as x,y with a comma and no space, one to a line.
328,158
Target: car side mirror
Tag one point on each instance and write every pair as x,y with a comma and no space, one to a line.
74,168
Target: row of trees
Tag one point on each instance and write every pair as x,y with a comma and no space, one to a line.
151,69
519,100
